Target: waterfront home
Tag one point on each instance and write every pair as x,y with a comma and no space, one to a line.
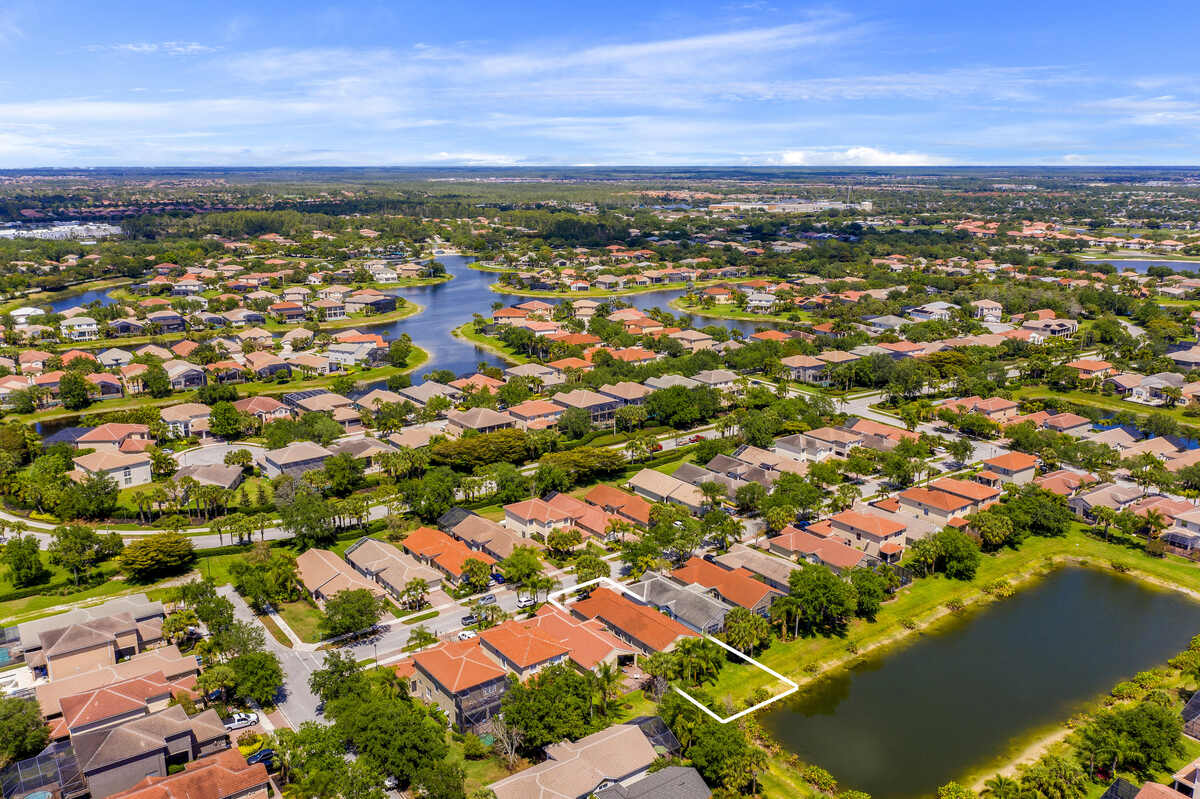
613,757
478,420
735,586
634,623
79,328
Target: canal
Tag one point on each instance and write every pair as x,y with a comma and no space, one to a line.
909,720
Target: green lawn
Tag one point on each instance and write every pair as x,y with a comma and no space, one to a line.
276,631
733,312
304,619
923,603
467,332
479,772
1103,402
297,383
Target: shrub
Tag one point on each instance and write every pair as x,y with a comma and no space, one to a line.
819,778
955,605
1126,690
1000,589
1122,568
908,623
473,747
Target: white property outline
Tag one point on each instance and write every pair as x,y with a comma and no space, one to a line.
792,685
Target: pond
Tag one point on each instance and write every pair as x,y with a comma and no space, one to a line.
81,298
450,305
1142,264
912,719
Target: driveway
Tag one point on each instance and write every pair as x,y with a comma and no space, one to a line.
214,454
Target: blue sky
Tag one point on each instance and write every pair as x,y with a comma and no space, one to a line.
582,82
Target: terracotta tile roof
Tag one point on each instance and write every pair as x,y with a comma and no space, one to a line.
868,523
977,492
448,553
458,665
936,499
734,585
639,622
1012,462
521,646
127,696
220,776
621,502
588,642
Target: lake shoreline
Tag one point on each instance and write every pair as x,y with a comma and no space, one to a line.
1029,744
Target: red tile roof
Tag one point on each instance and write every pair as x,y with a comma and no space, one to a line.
738,586
642,623
458,665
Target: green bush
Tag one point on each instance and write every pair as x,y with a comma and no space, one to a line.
819,778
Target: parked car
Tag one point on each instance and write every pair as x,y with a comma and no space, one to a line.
487,599
469,620
466,635
696,439
264,756
526,601
239,720
498,579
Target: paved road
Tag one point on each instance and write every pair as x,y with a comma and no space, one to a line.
297,704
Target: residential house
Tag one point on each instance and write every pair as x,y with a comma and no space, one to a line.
266,365
116,759
224,775
461,678
186,419
819,444
1013,467
435,548
79,328
828,550
867,531
596,763
323,575
478,420
389,567
184,375
128,469
295,459
735,586
599,406
632,622
659,487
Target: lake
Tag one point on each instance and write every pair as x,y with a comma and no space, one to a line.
452,304
1141,265
911,719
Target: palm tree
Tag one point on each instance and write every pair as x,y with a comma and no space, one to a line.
1156,522
608,682
786,609
1001,787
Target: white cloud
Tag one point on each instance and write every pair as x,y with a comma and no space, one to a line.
151,48
471,159
857,156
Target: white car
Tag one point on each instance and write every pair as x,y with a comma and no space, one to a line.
526,602
239,720
466,635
